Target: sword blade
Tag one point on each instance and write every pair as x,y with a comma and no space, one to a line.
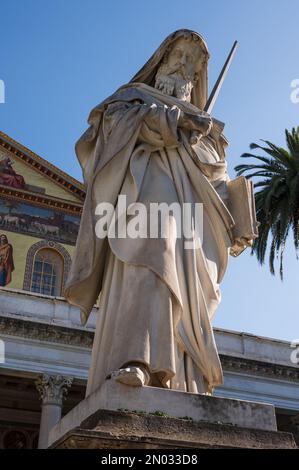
217,87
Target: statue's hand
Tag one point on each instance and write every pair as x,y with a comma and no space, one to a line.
196,122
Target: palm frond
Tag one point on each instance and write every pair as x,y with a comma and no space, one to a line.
277,201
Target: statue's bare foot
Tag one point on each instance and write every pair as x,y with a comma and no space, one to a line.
131,375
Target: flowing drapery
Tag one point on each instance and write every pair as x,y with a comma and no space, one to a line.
135,148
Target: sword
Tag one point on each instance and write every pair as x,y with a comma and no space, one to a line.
195,135
217,87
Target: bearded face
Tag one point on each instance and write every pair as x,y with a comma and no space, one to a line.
174,82
177,74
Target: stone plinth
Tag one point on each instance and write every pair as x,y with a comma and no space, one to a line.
118,416
124,430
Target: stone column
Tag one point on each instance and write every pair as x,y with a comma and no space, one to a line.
52,390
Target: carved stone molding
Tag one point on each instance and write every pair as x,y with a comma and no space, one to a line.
260,368
53,388
40,200
30,260
45,332
84,338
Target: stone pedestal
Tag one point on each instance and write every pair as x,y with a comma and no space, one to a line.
118,416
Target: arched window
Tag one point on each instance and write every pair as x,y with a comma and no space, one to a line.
47,272
47,267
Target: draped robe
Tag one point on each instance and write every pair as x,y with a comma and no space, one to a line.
157,298
6,263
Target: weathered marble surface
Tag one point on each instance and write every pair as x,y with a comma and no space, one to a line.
124,430
115,396
157,298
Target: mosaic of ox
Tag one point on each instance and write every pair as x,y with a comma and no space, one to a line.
38,222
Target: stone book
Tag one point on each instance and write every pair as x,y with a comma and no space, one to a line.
242,208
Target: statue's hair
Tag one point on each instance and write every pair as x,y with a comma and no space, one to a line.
189,36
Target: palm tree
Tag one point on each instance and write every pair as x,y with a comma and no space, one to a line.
277,202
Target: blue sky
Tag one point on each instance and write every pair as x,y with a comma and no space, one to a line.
60,58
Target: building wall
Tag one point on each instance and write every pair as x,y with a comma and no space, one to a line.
21,244
27,218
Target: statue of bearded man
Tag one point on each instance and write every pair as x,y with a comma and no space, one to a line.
157,298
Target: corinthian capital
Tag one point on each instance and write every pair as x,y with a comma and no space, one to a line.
53,388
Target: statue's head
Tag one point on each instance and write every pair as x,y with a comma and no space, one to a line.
180,67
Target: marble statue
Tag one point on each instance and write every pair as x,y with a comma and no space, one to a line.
157,299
